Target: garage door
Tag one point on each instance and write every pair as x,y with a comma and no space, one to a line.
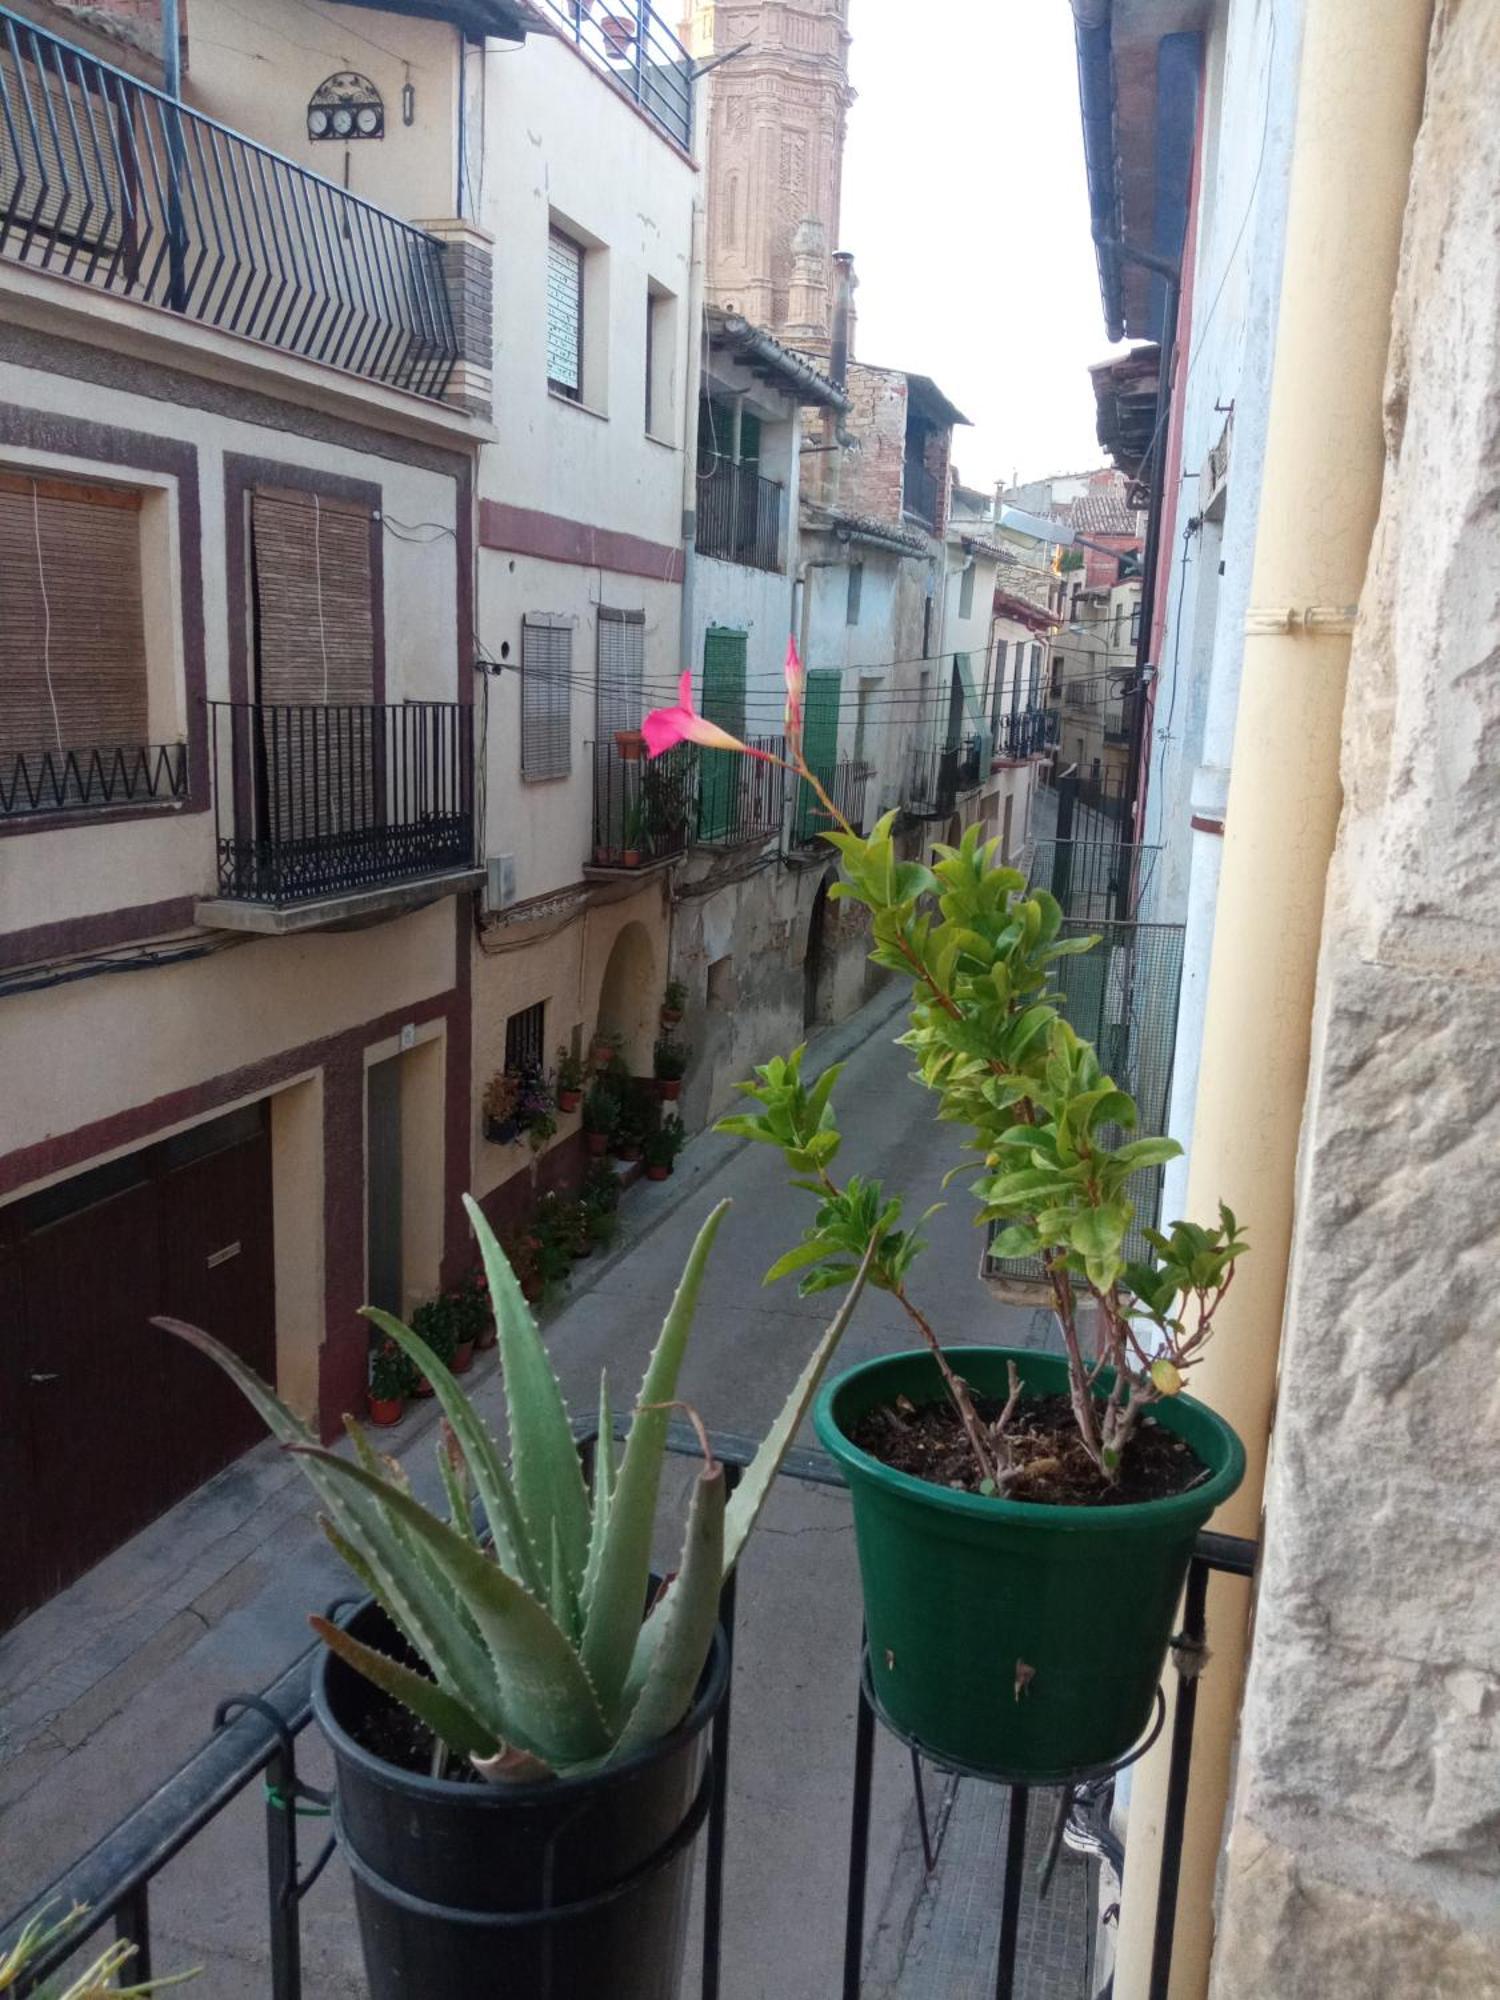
108,1421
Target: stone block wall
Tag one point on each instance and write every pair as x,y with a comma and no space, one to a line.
469,276
870,476
1364,1842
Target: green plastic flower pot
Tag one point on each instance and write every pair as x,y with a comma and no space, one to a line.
1025,1641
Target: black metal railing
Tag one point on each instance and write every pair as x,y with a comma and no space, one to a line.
50,781
105,180
329,799
628,42
741,799
255,1737
739,515
1094,880
847,783
1028,734
645,809
937,775
921,493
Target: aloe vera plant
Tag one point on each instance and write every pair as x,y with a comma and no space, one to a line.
537,1657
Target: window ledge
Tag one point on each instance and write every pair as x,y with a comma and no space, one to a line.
666,444
572,403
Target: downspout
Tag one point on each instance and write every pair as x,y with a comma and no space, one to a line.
1358,108
692,389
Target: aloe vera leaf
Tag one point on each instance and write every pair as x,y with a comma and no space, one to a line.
448,1719
545,1467
452,1472
614,1617
550,1706
564,1599
497,1495
692,1611
604,1487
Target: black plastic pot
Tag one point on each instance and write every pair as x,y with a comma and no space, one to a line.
517,1892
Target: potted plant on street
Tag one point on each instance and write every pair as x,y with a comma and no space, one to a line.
674,1000
660,1148
601,1107
571,1077
518,1714
604,1050
433,1320
1024,1520
392,1380
501,1094
629,1129
669,1062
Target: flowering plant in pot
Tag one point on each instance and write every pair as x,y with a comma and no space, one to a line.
1024,1520
660,1148
670,1059
392,1380
571,1077
630,1128
600,1200
519,1711
674,1000
498,1105
604,1050
435,1323
601,1107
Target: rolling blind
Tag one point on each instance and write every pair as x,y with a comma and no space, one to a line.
622,662
70,614
564,314
546,696
314,599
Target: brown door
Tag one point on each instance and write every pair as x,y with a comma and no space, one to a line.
114,1421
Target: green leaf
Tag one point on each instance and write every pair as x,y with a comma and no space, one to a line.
448,1719
546,1470
797,1259
1147,1153
1017,1241
688,1613
614,1616
604,1487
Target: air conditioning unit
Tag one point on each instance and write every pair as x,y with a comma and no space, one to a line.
500,881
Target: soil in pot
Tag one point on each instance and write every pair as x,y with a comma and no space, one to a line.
611,1855
386,1410
1018,1637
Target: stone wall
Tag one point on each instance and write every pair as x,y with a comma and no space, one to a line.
869,476
1364,1843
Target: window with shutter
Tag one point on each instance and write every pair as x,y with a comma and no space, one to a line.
72,629
546,696
966,593
564,315
622,664
720,771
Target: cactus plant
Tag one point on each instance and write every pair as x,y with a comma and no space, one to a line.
536,1654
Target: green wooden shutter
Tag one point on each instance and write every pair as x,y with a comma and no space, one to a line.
719,771
820,744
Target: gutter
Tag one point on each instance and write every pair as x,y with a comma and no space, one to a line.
1096,98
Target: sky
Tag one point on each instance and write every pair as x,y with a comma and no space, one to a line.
965,207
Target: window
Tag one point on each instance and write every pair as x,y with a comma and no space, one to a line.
927,628
660,405
73,668
546,696
621,669
313,597
526,1038
856,590
565,315
966,593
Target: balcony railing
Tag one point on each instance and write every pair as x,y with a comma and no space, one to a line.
741,799
256,1738
645,809
921,494
628,42
313,801
51,781
739,515
847,783
1028,734
111,183
936,776
1094,879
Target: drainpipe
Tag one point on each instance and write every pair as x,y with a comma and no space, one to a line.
1358,108
692,388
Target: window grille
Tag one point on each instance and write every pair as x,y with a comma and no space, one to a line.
565,315
526,1039
856,591
546,696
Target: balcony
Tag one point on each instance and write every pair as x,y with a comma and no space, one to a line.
327,814
42,782
847,782
937,777
627,42
645,809
739,516
1028,734
113,185
741,799
921,495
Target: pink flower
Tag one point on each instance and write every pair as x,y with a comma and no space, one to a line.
683,724
796,682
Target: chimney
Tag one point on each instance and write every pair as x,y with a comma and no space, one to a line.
841,348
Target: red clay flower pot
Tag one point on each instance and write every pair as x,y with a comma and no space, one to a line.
487,1338
631,858
424,1387
656,1173
597,1143
669,1088
386,1410
628,1151
629,743
670,1016
601,1054
569,1100
463,1357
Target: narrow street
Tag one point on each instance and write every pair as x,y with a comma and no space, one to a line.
109,1686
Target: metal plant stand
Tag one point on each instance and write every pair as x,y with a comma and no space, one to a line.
871,1711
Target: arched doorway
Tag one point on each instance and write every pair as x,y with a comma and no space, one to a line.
817,961
629,996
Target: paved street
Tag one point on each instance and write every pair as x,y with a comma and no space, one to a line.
105,1689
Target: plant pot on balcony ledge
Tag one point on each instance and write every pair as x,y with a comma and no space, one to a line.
629,743
631,858
963,1592
501,1131
567,1886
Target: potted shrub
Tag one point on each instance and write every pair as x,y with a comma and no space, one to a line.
571,1077
501,1095
635,833
601,1107
1024,1521
629,1129
661,1146
604,1050
628,742
599,1202
434,1321
670,1061
512,1730
481,1313
392,1380
674,1000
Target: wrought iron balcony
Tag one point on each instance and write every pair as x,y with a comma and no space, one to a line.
645,809
1027,734
110,183
739,515
847,783
316,802
741,799
628,42
938,775
68,781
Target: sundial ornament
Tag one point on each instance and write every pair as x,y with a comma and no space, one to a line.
346,106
